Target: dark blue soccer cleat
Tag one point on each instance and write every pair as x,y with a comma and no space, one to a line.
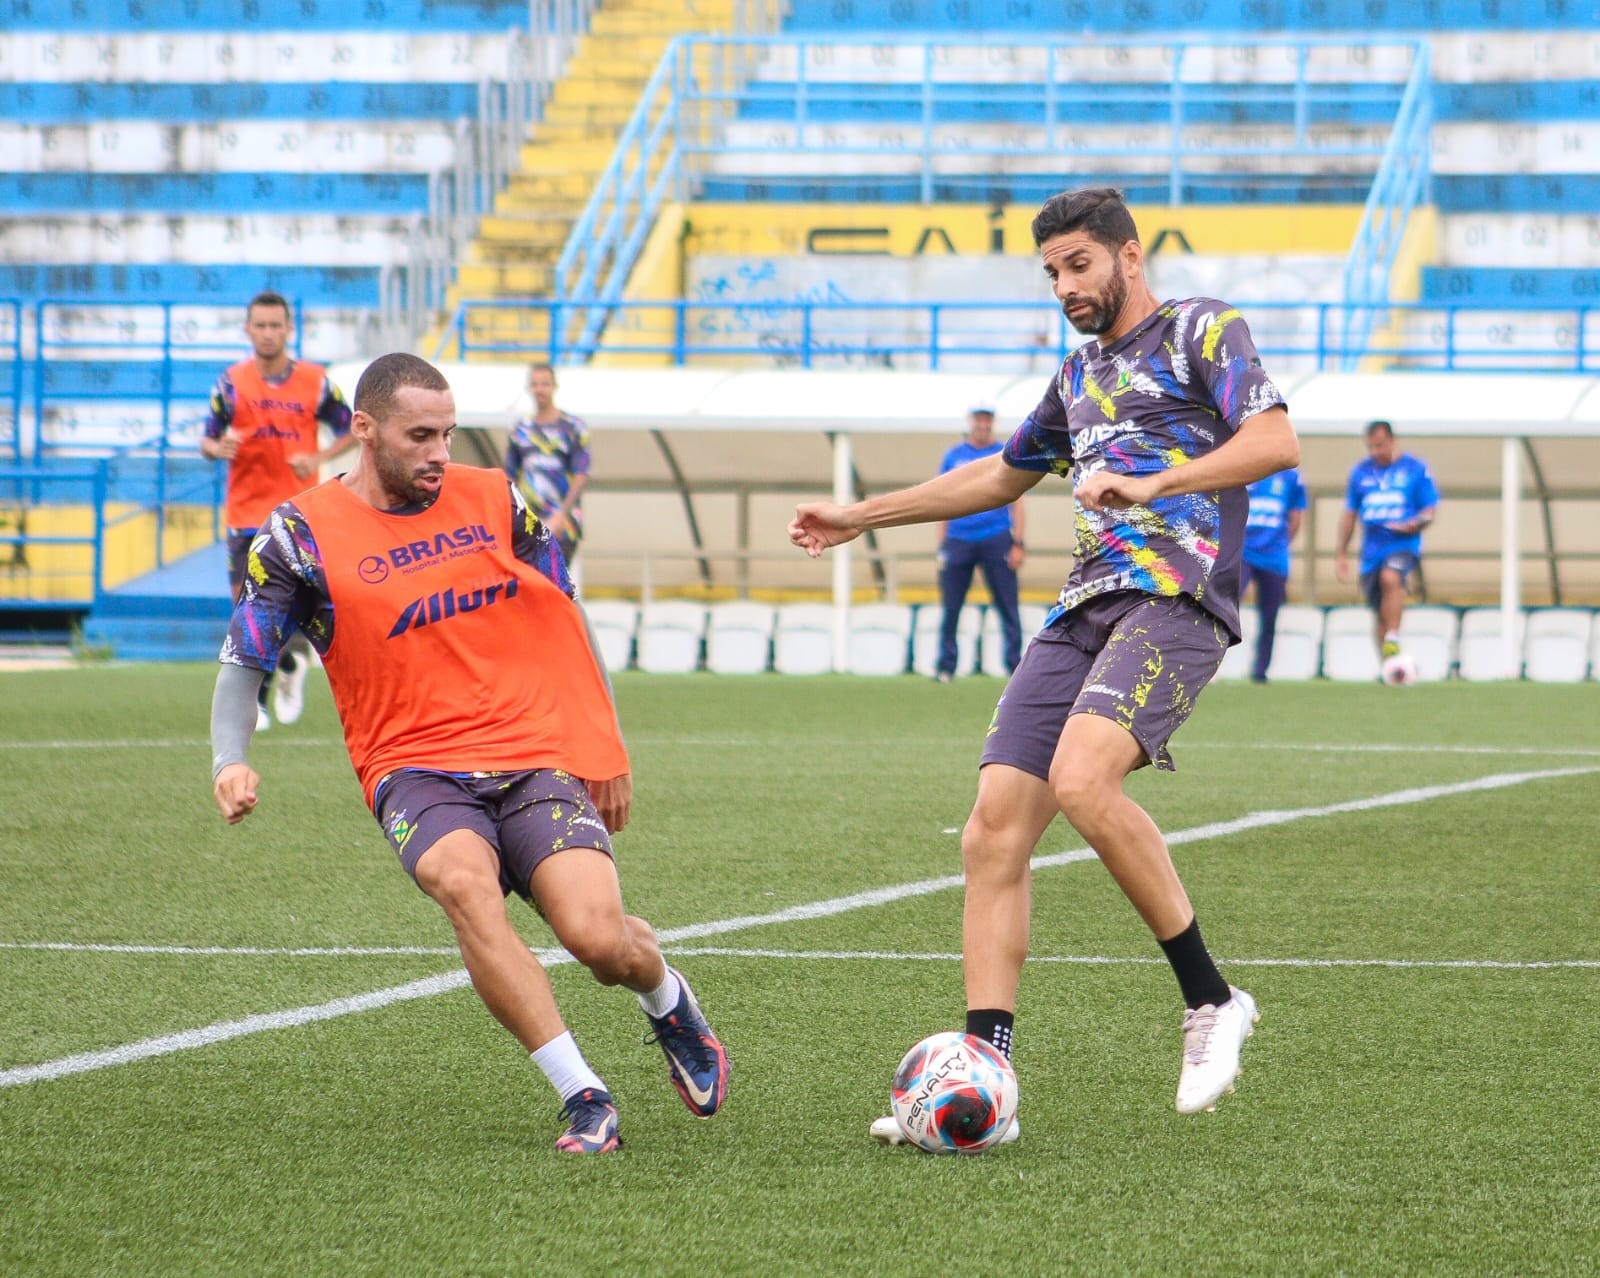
591,1124
695,1059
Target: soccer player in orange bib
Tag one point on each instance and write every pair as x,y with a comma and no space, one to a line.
479,720
264,420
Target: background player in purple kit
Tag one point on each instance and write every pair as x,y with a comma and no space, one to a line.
1277,505
1394,498
1160,421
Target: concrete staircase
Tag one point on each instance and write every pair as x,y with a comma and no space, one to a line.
517,244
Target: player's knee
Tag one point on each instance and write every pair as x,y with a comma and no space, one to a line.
600,941
993,844
463,888
1079,788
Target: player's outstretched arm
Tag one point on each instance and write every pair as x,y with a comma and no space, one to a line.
985,484
233,722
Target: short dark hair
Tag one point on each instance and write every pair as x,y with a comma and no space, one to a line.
268,298
542,368
1373,428
389,374
1097,210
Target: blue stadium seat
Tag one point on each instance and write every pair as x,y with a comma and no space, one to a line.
243,15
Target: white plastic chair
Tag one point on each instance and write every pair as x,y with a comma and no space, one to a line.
1428,634
1349,645
1557,643
1238,660
1297,643
802,643
992,651
739,637
879,639
614,622
1481,650
670,632
925,639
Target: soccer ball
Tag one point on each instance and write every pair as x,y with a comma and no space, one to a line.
954,1094
1399,670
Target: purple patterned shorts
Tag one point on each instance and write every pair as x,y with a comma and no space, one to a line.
1136,658
524,816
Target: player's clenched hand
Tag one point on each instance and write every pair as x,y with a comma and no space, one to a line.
1107,490
818,525
612,799
235,791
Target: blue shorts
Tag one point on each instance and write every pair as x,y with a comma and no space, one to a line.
523,816
1136,658
1400,561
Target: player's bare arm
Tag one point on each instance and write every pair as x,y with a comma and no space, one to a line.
1263,445
985,484
613,799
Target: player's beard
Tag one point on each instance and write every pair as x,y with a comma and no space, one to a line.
400,480
1103,307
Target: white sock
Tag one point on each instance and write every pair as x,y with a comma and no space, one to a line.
661,1000
564,1066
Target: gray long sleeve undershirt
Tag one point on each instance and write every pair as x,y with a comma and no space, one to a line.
233,715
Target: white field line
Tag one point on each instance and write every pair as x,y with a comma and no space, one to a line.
307,951
1108,960
445,982
201,743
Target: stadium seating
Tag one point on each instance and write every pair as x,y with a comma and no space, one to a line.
671,633
1556,645
802,644
1481,648
879,639
925,639
991,647
1297,643
1237,661
614,622
1428,633
739,638
1349,646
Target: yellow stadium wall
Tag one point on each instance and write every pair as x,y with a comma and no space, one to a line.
65,573
907,230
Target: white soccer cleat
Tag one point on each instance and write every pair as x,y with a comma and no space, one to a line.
262,721
1212,1039
289,693
887,1132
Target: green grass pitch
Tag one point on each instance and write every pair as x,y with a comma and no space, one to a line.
1406,879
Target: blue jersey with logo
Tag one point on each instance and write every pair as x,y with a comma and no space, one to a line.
986,523
1266,526
1382,495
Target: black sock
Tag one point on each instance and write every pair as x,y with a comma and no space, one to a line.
1197,975
287,663
993,1026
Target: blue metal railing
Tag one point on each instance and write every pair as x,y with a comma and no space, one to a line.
11,386
153,478
1401,184
915,334
111,351
1049,105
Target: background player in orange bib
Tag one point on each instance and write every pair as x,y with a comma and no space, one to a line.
478,718
266,412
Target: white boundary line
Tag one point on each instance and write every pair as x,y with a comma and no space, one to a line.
1109,960
448,981
198,743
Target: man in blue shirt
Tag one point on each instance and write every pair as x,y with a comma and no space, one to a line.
991,540
1277,505
548,457
1394,497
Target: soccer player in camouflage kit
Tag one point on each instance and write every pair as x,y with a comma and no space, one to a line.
1160,420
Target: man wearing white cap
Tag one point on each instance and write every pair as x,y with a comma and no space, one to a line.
990,540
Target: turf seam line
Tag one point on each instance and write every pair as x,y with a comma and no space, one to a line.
445,982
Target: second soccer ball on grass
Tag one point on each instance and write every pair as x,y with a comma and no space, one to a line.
954,1094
